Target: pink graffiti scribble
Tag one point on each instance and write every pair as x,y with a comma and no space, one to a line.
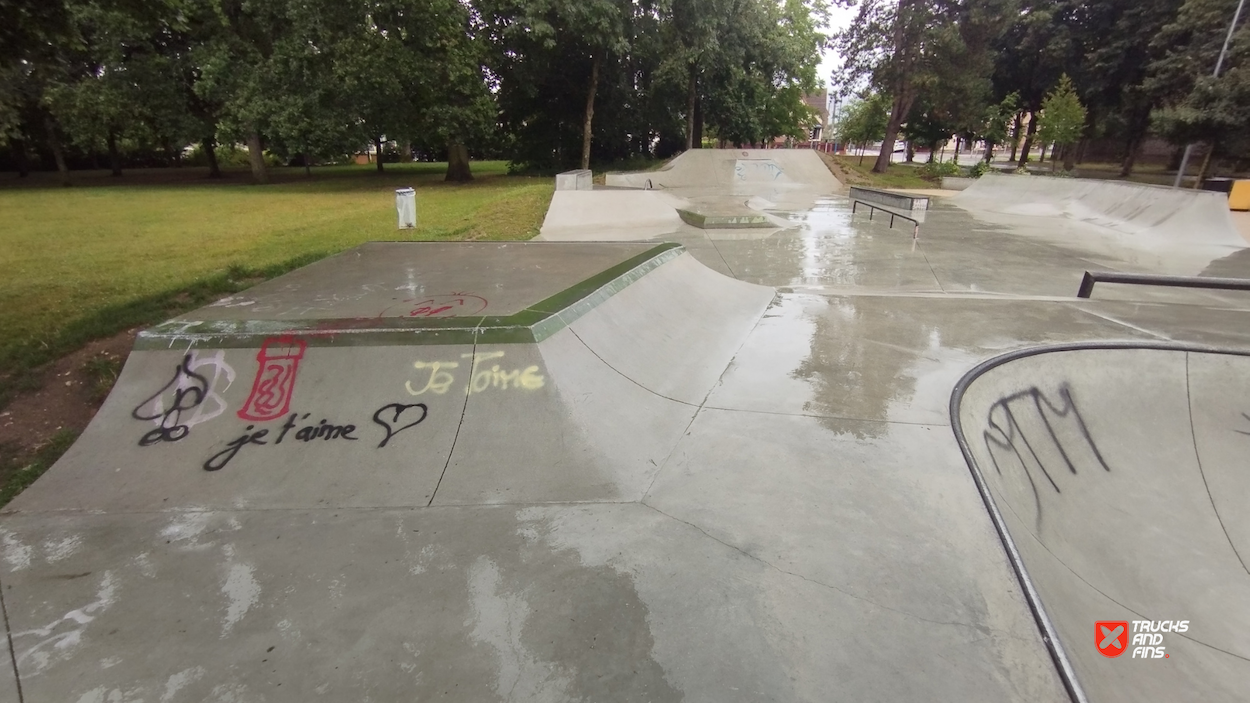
270,399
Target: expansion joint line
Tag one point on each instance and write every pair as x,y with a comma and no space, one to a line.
455,439
8,633
1189,402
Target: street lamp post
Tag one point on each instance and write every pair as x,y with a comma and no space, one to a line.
1219,64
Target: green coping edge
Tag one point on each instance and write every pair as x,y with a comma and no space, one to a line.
533,324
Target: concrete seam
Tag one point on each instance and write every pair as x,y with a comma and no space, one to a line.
1108,318
822,584
463,409
8,633
932,272
703,403
722,256
781,413
1193,433
627,378
350,508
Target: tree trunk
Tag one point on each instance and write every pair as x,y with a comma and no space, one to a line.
1015,136
691,100
1130,157
1054,157
1206,167
115,157
899,110
1028,140
1042,158
209,145
19,157
256,157
1069,156
377,144
590,110
958,142
58,154
698,122
307,163
911,152
458,163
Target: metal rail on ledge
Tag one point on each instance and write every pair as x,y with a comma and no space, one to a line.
915,233
1147,279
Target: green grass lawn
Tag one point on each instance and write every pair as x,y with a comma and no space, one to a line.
67,254
896,176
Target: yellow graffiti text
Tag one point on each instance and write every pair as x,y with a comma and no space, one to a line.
483,376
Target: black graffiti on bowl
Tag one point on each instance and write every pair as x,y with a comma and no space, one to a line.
1005,431
171,428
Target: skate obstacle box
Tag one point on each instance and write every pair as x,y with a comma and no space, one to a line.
580,179
897,201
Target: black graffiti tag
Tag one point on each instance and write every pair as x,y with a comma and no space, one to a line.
397,417
1006,432
186,397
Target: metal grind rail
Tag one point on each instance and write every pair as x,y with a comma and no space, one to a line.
915,233
1147,279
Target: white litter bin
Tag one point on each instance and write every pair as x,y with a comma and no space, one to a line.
406,204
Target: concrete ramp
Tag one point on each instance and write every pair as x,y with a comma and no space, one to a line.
1117,476
575,388
607,215
1153,215
742,170
261,510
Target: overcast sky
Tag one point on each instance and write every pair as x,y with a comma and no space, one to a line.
839,19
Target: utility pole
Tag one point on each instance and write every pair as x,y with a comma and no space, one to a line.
1219,64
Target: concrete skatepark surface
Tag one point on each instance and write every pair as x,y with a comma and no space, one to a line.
720,471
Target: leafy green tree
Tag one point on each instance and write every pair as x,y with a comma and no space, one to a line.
1195,105
1062,120
905,46
863,120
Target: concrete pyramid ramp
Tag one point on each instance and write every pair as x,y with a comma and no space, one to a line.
611,215
1151,215
575,388
1117,477
745,170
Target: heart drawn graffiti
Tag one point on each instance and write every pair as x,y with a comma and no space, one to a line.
397,417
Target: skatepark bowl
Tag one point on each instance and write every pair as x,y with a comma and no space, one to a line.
713,437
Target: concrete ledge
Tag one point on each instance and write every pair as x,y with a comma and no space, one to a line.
900,201
580,179
957,183
724,221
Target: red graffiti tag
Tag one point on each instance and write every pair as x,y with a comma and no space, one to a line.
270,399
453,305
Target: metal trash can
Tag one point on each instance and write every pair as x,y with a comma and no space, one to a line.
406,204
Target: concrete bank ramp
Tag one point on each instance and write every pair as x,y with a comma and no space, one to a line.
589,369
741,170
1117,475
263,507
611,215
1151,215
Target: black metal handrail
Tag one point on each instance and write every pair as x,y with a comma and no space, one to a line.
915,233
1149,279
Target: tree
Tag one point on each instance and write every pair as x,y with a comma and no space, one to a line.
1062,119
905,47
863,120
1197,106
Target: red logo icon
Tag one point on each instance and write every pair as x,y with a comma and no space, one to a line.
275,379
1111,637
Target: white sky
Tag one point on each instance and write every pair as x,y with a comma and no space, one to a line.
839,19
